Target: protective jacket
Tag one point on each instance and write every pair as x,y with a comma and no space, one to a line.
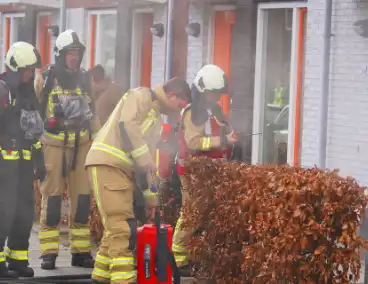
20,128
138,113
19,115
208,139
55,101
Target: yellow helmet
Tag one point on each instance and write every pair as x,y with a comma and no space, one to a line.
22,55
66,41
211,78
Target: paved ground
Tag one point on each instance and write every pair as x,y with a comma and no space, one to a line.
63,261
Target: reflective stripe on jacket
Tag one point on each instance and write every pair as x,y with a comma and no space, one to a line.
57,139
139,112
202,140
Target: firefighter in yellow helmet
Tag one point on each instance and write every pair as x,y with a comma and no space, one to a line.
121,153
204,131
20,128
70,125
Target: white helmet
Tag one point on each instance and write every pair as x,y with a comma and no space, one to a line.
211,78
68,40
22,55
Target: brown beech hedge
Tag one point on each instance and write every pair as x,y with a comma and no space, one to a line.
272,224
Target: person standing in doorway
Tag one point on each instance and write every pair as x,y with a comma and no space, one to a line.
105,93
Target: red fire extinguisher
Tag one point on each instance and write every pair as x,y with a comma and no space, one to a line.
164,155
155,260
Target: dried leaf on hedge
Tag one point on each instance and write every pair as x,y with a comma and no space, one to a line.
273,224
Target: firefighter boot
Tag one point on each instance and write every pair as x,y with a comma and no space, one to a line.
21,268
48,261
6,273
185,271
83,259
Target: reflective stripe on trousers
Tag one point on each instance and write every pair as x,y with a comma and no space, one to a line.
80,238
102,267
17,254
49,240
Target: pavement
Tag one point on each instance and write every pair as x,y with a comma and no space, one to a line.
63,266
63,261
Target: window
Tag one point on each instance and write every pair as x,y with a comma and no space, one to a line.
102,37
278,88
11,24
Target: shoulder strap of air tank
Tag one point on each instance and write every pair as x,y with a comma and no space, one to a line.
48,83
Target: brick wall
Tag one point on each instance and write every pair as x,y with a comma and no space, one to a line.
242,61
347,141
158,47
242,71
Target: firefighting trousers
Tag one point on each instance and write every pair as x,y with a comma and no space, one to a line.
113,192
181,236
52,191
16,209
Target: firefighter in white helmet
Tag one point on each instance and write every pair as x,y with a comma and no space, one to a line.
204,131
70,124
20,129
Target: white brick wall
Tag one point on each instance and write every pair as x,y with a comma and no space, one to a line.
347,147
198,53
158,48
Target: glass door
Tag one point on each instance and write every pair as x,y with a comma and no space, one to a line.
277,84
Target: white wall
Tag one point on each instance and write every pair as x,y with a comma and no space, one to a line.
348,104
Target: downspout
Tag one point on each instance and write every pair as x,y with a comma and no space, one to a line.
62,16
169,39
323,109
169,43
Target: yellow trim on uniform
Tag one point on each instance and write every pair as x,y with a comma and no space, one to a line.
206,143
121,261
82,232
48,234
61,135
149,193
49,246
80,244
149,121
37,145
14,155
140,151
2,257
17,254
101,273
103,259
123,275
112,151
97,196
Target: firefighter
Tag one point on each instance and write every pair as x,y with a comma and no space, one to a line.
70,124
203,131
20,129
122,152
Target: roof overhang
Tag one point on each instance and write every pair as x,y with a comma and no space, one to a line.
43,3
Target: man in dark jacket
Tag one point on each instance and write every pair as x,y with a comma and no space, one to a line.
20,128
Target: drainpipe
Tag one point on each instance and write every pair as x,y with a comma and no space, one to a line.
62,16
323,109
169,39
169,43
